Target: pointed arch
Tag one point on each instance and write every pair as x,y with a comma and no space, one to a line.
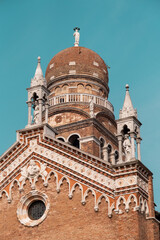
74,188
129,201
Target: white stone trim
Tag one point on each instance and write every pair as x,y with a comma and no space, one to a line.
51,65
72,63
51,78
89,138
95,74
72,71
93,89
72,87
96,63
126,181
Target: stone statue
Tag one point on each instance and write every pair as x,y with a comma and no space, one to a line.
36,114
91,107
77,36
127,147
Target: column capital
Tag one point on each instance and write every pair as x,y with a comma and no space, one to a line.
119,137
138,140
132,134
40,100
47,104
29,103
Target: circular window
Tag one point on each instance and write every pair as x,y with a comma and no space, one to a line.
36,210
33,208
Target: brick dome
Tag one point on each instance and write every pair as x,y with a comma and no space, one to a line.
77,61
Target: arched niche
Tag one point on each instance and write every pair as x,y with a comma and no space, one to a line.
74,140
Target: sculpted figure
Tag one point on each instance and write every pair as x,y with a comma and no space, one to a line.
33,169
36,115
127,147
77,36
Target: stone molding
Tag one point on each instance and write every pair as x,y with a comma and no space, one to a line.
89,138
74,76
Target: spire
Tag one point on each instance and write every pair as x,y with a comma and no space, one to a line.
38,77
127,110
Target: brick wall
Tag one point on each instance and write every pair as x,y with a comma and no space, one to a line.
68,219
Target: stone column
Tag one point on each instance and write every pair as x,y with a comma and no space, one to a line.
105,153
29,113
67,98
120,147
40,110
46,112
132,135
138,141
112,157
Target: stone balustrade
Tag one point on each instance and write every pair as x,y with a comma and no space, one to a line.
78,97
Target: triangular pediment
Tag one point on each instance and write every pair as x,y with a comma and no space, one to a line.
52,155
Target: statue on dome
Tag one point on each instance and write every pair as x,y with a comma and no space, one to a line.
127,147
77,36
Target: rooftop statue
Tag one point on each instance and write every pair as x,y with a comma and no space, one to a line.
77,36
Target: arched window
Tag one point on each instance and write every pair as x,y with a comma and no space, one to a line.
61,139
80,88
125,130
109,148
88,89
102,142
74,140
57,90
65,88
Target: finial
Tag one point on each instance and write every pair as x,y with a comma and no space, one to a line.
77,36
39,59
38,78
127,87
127,109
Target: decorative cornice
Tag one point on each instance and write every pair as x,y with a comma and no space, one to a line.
88,122
68,76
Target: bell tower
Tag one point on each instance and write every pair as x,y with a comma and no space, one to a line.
128,131
37,98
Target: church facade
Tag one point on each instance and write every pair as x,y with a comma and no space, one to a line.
75,172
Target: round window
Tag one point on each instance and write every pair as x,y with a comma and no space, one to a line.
33,208
36,210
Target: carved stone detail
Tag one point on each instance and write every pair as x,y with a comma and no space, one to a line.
31,172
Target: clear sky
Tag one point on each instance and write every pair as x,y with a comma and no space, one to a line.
125,33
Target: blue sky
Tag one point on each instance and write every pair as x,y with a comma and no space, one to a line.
125,33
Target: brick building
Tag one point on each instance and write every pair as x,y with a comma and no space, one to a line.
75,172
